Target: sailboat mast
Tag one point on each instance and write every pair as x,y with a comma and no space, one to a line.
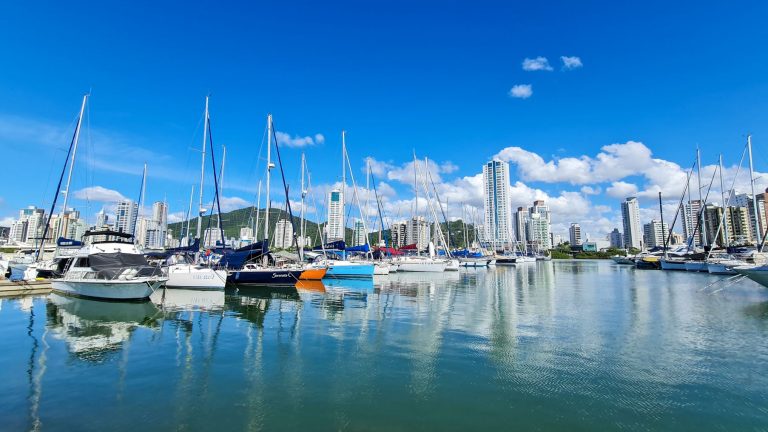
758,230
221,187
189,213
142,197
343,184
303,215
270,165
258,209
202,174
71,166
703,207
725,207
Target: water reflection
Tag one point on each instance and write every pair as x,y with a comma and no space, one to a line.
551,346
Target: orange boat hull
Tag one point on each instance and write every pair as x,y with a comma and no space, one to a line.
313,274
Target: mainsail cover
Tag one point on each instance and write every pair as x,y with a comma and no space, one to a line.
111,265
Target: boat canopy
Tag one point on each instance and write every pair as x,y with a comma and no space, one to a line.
409,247
111,265
362,248
235,259
336,245
110,233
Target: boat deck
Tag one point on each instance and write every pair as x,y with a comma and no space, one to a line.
15,288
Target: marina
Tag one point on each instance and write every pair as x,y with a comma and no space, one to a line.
558,345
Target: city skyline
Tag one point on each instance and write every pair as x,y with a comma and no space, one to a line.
576,115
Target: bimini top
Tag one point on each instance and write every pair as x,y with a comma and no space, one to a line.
108,233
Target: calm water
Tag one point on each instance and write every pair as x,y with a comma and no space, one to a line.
552,346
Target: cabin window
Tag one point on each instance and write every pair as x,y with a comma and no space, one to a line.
82,262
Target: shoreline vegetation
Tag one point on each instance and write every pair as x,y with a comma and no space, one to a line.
564,251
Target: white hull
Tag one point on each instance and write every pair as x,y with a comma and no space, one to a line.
111,290
474,262
422,266
453,265
196,277
758,274
381,269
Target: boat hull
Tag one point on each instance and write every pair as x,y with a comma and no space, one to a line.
757,274
196,277
313,273
453,265
350,270
422,267
696,266
720,269
108,290
265,277
506,261
381,269
473,262
672,265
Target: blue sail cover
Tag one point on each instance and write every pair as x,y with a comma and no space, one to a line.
235,259
61,241
337,245
362,248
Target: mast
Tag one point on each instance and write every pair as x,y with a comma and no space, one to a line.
71,166
270,165
725,205
343,185
758,230
221,187
661,216
303,196
357,197
202,174
258,209
189,212
141,200
703,207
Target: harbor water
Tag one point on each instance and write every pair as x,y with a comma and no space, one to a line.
547,346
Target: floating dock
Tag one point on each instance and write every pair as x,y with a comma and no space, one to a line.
17,288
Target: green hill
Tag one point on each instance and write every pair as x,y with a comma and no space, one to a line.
234,220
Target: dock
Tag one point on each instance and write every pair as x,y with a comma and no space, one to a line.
17,288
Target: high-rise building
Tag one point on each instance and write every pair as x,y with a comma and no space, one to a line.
246,233
575,234
212,237
283,234
655,233
538,231
125,216
630,214
418,232
737,227
358,235
496,203
35,218
691,220
335,227
160,216
616,239
102,219
399,233
520,219
18,231
757,221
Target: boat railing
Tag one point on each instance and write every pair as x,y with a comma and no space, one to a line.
116,273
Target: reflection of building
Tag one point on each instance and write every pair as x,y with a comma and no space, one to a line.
630,215
335,227
496,203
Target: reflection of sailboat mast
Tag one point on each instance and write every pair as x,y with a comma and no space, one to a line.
35,380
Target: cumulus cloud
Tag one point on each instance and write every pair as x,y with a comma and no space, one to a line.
536,64
6,221
571,62
621,190
286,140
521,91
99,194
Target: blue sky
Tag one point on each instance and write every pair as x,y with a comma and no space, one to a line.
433,76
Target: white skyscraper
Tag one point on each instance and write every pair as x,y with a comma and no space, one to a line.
496,203
160,216
520,219
358,236
125,216
630,215
398,232
418,232
35,218
538,227
335,227
283,234
575,234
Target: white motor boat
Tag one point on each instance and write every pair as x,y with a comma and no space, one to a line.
185,274
111,269
420,264
473,262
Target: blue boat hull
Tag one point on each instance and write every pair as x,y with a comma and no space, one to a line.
350,271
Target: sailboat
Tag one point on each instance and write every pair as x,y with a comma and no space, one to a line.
266,273
189,272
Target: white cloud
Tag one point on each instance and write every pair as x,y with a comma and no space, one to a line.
521,91
6,221
536,64
621,190
231,203
286,140
99,194
571,62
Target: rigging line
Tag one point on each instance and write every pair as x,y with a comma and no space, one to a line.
687,183
285,185
215,184
727,203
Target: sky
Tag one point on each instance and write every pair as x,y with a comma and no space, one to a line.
590,102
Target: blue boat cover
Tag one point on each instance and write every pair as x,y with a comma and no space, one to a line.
68,242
